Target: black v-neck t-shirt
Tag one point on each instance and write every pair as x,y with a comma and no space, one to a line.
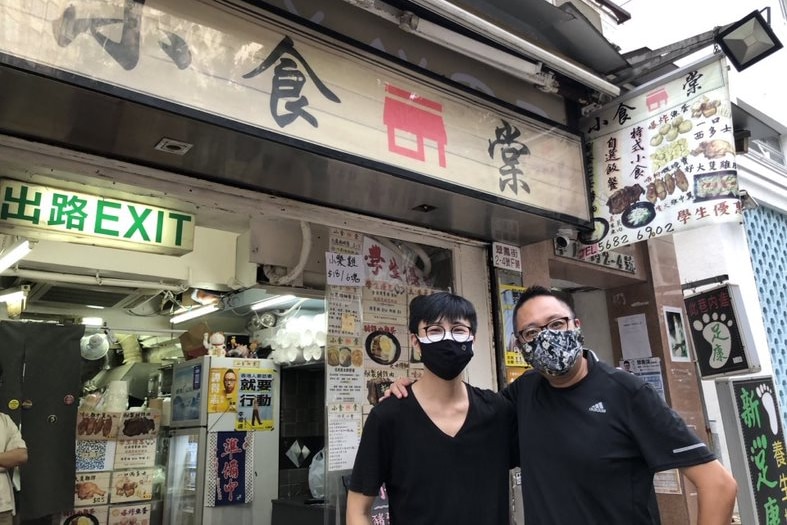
432,478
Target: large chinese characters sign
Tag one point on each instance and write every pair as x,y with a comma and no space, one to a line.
663,160
260,72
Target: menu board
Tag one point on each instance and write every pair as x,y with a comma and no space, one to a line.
662,160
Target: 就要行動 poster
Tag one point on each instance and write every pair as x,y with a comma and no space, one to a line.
662,159
255,399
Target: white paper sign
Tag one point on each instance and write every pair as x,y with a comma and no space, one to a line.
344,435
506,257
344,270
633,331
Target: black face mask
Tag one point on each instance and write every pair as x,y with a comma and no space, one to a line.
446,359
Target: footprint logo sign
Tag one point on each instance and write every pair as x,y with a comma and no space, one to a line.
769,405
715,330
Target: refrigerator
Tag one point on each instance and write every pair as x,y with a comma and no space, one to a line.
223,464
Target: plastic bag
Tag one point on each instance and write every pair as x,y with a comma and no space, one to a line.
317,475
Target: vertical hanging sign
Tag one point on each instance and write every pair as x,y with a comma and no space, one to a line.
756,444
662,159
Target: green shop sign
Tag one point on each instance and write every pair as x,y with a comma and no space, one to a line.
43,212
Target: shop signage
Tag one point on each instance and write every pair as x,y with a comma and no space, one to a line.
720,332
752,420
506,257
44,212
662,159
252,68
609,259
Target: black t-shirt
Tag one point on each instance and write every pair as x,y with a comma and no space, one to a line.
432,478
589,452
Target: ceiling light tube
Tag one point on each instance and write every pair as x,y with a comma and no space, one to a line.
503,37
12,296
93,321
272,301
14,254
193,313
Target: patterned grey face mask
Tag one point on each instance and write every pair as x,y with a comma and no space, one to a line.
553,352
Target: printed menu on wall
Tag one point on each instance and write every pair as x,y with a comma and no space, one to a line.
344,435
91,489
135,453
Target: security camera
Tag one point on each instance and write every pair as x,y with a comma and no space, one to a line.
564,237
747,201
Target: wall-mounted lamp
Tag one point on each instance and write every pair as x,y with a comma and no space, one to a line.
748,40
193,313
15,253
744,43
273,301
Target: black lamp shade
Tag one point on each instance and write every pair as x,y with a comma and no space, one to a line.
748,41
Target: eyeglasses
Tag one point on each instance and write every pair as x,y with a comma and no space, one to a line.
559,325
459,333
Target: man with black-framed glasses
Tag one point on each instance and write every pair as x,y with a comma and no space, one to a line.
444,452
596,432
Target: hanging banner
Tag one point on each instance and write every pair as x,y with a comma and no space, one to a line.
662,159
230,477
720,332
755,439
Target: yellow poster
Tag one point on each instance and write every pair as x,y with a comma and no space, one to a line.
222,390
255,399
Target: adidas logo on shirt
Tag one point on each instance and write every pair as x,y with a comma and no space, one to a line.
598,407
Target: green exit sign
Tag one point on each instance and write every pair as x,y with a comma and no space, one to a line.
44,212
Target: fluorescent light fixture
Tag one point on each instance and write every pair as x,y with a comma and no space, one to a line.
13,296
93,321
272,301
194,313
511,64
94,306
481,26
14,254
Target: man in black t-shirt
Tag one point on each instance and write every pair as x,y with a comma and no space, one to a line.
445,451
591,436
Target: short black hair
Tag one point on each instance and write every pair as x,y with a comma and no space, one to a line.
541,291
441,305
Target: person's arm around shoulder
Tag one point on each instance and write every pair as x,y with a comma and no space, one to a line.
716,492
359,508
398,388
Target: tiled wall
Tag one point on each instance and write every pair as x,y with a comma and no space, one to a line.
302,420
766,230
